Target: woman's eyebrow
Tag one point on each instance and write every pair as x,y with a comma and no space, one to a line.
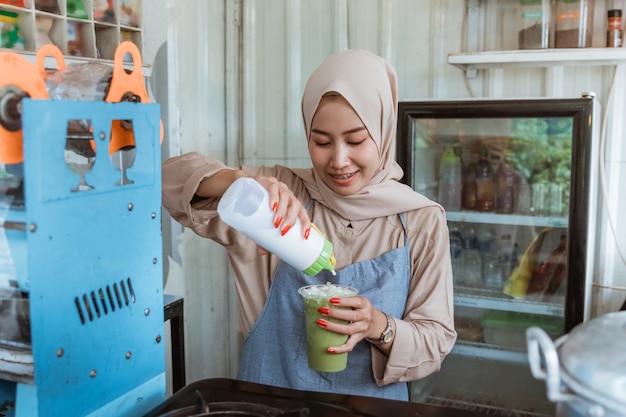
347,132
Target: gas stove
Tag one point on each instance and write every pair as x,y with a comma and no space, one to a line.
227,397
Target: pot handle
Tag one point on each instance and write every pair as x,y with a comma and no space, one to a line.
544,363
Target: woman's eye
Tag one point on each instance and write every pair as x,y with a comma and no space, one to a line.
357,142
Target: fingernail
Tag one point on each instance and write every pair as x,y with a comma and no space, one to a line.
285,230
322,323
323,310
277,222
335,300
330,350
274,206
307,232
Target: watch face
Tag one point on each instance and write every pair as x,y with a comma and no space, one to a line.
387,336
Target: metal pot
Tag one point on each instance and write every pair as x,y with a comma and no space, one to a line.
584,370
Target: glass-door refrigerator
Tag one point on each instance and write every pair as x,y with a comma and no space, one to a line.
517,178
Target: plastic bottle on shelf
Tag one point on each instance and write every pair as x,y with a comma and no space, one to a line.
468,198
472,265
470,236
450,180
456,251
505,194
523,196
535,21
485,238
507,254
574,23
484,184
492,273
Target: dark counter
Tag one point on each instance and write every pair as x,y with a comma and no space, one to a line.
319,404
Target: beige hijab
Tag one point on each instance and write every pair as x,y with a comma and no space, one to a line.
369,84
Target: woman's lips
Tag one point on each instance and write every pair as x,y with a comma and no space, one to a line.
343,179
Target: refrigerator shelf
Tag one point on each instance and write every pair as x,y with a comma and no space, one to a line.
489,351
506,219
494,300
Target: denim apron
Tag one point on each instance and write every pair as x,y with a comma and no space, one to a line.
275,349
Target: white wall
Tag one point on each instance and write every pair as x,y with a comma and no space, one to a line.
236,70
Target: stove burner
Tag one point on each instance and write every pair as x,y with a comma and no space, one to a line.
232,408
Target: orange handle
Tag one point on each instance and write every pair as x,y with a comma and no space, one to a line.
17,74
123,82
49,50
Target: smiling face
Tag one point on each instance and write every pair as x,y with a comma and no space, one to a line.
342,151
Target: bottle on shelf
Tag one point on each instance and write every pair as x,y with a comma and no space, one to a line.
505,188
485,200
523,196
469,159
456,250
507,254
485,238
535,20
492,273
574,23
472,265
470,236
450,180
614,29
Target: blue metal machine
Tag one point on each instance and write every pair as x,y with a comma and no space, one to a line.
81,247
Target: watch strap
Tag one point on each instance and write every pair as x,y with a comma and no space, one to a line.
385,335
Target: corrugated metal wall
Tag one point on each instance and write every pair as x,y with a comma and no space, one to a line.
236,70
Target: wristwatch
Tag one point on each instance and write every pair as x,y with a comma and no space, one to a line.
386,335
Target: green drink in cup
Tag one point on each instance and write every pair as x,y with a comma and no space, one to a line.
318,338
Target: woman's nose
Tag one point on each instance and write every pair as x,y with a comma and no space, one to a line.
340,157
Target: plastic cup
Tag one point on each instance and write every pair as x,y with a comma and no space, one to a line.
318,338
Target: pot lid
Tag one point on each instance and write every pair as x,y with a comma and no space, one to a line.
593,355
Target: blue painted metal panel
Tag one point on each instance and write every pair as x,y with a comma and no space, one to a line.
94,260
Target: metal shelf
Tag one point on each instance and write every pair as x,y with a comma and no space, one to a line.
510,219
538,58
493,300
487,351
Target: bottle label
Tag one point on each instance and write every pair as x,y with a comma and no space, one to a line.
532,15
568,16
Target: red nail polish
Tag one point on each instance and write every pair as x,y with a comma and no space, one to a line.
330,350
285,230
323,310
274,206
277,222
307,232
322,323
335,300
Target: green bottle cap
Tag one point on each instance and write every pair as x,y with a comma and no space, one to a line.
326,260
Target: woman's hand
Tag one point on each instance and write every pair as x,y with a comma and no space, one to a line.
364,321
286,207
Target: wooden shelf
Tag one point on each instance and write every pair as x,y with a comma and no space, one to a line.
91,36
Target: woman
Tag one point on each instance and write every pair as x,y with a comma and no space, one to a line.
389,241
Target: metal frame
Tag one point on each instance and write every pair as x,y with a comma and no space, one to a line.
94,266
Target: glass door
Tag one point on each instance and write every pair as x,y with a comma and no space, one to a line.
515,178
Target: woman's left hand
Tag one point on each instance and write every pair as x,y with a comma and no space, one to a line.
364,321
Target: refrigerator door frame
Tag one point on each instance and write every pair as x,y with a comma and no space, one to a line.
584,111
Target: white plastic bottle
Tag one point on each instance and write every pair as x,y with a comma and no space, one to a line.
245,207
450,181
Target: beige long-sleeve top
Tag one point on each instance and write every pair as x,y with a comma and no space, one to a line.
424,335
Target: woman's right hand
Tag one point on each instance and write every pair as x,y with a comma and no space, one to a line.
286,207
